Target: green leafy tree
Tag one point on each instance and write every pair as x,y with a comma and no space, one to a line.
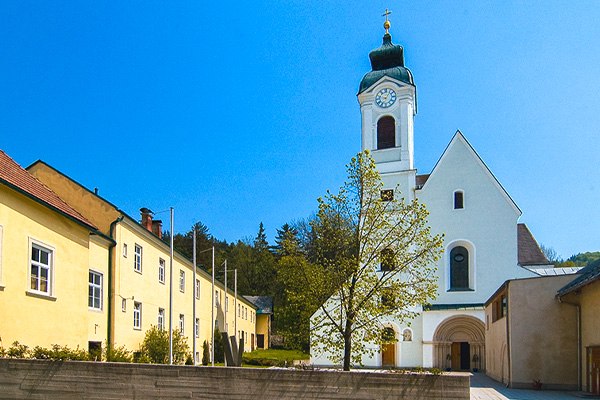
354,230
155,346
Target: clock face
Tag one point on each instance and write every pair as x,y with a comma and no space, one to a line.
385,98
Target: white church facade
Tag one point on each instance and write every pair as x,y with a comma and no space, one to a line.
484,244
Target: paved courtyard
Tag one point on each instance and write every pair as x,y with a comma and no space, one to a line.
485,388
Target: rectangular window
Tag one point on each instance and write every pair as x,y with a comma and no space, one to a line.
387,195
181,280
137,261
124,305
181,323
161,270
198,288
197,327
95,290
137,315
226,303
217,298
41,269
239,310
458,200
125,250
161,319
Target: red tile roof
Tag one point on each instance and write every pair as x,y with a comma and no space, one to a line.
528,249
420,180
14,176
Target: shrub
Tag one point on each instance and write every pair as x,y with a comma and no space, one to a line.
205,353
17,350
219,347
155,347
58,352
117,354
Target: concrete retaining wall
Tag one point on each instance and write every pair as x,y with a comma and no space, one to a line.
41,379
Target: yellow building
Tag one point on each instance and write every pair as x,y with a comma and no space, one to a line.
139,279
53,266
264,315
83,273
584,294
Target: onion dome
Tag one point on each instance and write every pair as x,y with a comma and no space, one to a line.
387,60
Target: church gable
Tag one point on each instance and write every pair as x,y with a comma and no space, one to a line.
462,173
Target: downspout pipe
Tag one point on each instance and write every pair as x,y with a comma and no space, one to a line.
579,355
110,313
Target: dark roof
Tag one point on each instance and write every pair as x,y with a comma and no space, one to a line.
14,176
420,180
585,276
464,306
264,304
387,60
529,251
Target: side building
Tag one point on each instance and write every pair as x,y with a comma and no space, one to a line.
53,267
138,288
92,275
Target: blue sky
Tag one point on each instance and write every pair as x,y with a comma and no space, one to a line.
240,112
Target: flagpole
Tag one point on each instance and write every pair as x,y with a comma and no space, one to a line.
235,304
194,298
171,293
225,308
212,322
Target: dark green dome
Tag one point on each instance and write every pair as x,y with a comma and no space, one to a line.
387,60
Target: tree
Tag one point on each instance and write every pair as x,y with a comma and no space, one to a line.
286,241
155,346
353,229
550,253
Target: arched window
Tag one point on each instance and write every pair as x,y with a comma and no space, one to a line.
386,133
459,200
459,269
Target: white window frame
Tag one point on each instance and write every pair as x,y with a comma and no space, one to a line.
137,259
160,322
137,315
182,324
125,250
182,281
197,289
161,270
94,288
124,305
50,267
197,327
226,303
467,244
462,192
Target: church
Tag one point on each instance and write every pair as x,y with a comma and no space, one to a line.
484,243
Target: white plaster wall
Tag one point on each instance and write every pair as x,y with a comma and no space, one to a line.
487,225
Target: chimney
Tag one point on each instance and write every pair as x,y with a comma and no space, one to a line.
146,218
157,228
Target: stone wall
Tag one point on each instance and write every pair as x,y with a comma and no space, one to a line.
41,379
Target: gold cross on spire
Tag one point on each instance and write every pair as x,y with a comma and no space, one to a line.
387,23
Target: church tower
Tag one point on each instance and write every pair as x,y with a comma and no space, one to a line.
387,98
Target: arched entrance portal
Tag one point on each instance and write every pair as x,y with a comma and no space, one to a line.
458,343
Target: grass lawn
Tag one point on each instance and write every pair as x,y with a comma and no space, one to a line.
274,356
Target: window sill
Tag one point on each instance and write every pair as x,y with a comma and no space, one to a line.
96,310
461,290
137,329
40,295
139,272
